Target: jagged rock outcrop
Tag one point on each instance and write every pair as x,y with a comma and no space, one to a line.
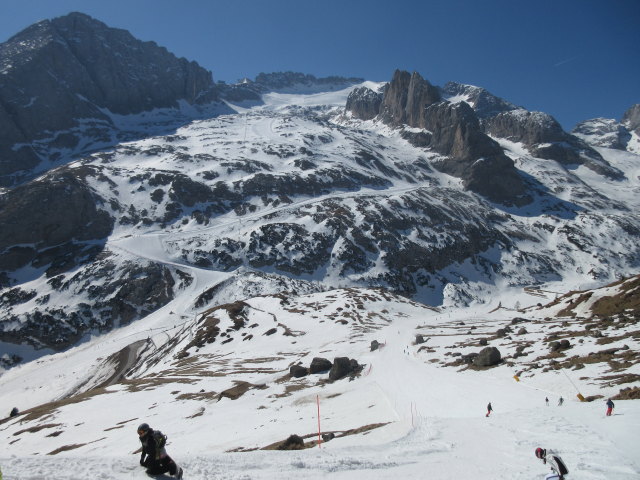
545,138
406,98
631,118
59,75
603,132
484,103
283,80
364,103
452,129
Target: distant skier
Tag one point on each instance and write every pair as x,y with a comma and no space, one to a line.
610,407
489,410
560,401
154,456
558,467
14,412
546,400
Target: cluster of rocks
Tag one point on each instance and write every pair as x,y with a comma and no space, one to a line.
340,368
556,346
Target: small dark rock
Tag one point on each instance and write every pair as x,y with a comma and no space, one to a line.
298,371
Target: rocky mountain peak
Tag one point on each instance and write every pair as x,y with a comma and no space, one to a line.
60,74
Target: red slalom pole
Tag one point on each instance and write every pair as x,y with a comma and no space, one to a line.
319,437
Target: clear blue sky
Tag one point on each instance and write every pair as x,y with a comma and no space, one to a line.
574,59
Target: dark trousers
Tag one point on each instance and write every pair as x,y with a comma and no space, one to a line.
160,466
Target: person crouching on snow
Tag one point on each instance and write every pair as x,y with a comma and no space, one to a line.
154,456
558,467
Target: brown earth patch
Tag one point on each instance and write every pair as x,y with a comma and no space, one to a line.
238,390
37,428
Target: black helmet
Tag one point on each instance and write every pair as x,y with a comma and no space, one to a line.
143,428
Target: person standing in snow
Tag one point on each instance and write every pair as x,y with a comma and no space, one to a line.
560,401
546,400
154,456
610,407
558,467
489,410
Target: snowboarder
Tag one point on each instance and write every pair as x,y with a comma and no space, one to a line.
546,400
558,468
489,410
154,456
560,401
610,407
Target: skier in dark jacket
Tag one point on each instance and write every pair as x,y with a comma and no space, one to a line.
489,410
610,406
559,469
154,456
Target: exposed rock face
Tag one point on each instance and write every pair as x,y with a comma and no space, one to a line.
452,129
58,72
364,103
545,138
406,99
631,118
526,127
483,102
603,132
48,220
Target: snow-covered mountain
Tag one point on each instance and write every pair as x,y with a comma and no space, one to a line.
183,262
610,133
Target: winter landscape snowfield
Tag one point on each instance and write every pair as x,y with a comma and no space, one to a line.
413,410
217,252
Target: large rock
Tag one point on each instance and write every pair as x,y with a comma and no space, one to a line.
343,366
487,357
319,365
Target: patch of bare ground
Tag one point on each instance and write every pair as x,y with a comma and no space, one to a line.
238,390
149,383
66,448
618,359
611,380
627,301
37,428
199,413
114,428
198,396
289,389
631,393
314,436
